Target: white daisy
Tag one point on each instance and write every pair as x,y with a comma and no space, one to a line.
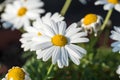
109,4
57,42
35,31
115,36
118,71
91,22
17,73
21,12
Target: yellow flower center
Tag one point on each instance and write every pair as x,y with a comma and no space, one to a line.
22,11
113,1
59,40
90,18
39,34
16,73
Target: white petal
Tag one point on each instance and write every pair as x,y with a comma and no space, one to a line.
36,4
79,40
38,24
26,22
99,2
28,35
48,53
42,39
118,70
10,9
72,26
3,79
117,7
60,65
108,6
7,17
55,55
62,27
41,45
54,26
57,17
64,56
115,35
38,11
72,32
72,51
77,35
46,19
79,49
30,29
117,29
115,44
17,4
49,31
39,54
18,23
31,15
115,49
73,56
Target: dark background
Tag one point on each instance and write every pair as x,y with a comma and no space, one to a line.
10,51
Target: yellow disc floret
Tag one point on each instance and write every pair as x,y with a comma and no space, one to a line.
59,40
113,1
22,11
16,73
39,34
90,18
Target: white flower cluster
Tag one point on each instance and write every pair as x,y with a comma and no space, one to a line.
50,38
19,13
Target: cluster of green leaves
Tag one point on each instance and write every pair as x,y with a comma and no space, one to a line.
100,63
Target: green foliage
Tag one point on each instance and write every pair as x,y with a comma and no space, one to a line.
101,65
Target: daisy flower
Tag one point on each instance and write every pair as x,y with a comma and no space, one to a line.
21,12
118,71
109,4
17,73
115,36
91,22
35,31
57,42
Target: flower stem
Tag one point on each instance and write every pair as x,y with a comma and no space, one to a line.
50,69
65,7
106,19
48,72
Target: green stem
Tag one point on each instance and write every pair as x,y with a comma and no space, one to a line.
50,69
65,7
106,19
48,72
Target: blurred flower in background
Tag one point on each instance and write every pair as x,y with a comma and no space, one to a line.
20,13
84,1
109,4
115,36
118,71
